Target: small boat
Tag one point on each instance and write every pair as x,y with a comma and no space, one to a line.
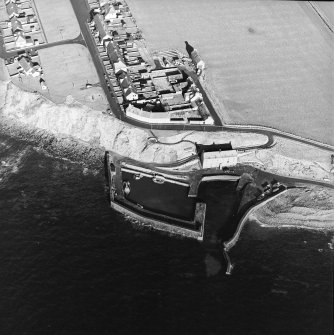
159,179
275,189
126,187
137,176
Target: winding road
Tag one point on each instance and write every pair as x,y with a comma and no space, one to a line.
14,53
82,12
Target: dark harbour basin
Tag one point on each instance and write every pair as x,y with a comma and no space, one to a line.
222,201
71,265
167,198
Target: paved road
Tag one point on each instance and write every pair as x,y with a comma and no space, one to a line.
206,99
82,12
8,54
297,182
270,142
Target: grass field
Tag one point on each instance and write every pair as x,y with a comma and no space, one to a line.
67,70
4,76
3,12
268,62
327,9
58,19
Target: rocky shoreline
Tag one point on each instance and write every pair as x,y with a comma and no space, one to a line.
310,207
76,132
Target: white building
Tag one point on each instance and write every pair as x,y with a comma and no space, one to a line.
148,117
104,3
196,58
111,14
119,67
219,159
22,41
130,94
197,98
209,120
26,66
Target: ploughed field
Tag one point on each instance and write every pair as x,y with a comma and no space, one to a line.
67,69
268,62
58,19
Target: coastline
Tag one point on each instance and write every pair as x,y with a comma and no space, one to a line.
233,241
267,215
97,129
309,207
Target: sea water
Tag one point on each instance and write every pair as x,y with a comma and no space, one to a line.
71,265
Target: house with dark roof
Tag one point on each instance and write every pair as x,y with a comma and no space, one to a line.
121,33
162,85
99,26
189,48
168,71
174,99
113,52
125,82
150,94
180,86
27,66
12,10
174,77
16,25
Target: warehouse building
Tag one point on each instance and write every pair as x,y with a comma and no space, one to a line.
217,156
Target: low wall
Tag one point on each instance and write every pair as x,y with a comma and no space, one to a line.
159,225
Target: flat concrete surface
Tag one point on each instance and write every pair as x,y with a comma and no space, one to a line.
58,19
269,63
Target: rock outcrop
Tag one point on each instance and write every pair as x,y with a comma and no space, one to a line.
310,207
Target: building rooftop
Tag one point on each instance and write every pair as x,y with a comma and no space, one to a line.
125,82
195,57
213,147
130,90
16,25
112,50
99,26
164,72
12,9
172,99
162,84
25,63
